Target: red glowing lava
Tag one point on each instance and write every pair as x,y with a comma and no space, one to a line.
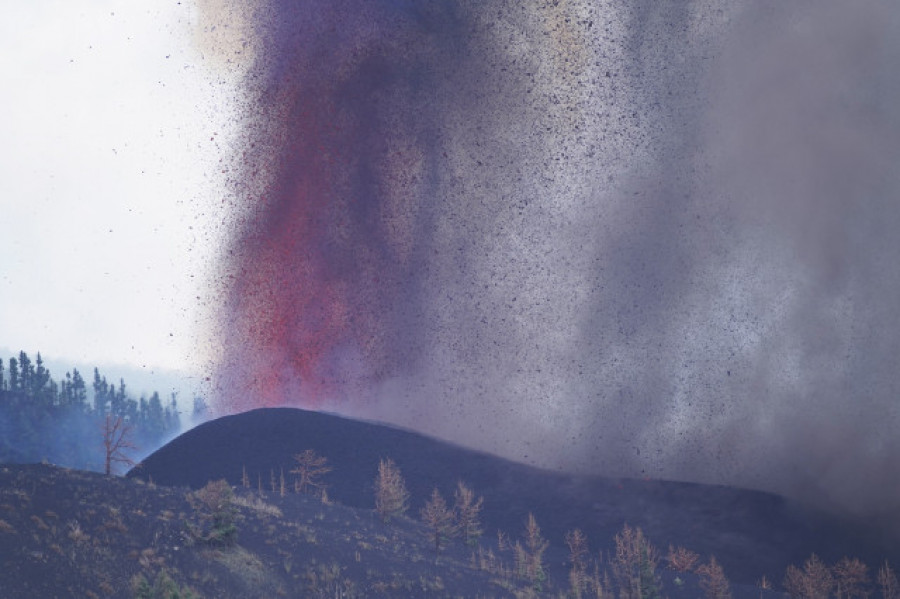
328,197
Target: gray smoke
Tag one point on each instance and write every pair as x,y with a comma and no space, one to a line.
645,238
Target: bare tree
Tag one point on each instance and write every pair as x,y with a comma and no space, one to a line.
117,441
310,467
391,496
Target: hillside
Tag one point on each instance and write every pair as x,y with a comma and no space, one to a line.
65,533
167,527
752,534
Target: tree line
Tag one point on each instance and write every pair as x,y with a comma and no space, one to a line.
62,422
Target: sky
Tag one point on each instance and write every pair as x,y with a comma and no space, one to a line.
112,124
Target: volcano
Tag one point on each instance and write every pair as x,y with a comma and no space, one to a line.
751,533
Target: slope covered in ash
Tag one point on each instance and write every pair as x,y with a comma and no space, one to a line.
751,533
69,533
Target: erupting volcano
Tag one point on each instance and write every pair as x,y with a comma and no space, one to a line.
630,239
333,172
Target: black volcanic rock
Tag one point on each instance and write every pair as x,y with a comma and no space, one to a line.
751,533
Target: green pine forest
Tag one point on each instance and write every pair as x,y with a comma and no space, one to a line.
62,421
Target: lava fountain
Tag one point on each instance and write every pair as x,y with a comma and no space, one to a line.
626,238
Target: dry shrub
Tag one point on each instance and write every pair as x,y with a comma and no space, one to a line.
115,523
814,581
258,505
39,522
148,559
76,533
681,559
215,502
713,581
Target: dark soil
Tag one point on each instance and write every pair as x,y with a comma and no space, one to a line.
752,534
68,533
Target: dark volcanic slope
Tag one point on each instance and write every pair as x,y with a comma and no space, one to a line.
751,533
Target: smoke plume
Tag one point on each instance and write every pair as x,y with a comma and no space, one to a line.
634,238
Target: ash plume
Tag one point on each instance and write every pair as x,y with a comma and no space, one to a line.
644,239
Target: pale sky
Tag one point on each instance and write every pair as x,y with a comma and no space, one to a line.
112,125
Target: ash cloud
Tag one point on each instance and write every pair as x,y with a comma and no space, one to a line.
648,240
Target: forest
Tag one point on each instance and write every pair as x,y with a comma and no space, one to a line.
64,421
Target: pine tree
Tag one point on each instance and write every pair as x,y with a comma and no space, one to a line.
101,393
310,466
576,540
173,423
439,520
143,413
634,565
42,391
200,411
14,380
117,399
887,581
26,373
65,391
851,578
536,545
156,424
713,581
650,586
79,391
467,510
813,581
391,496
131,411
